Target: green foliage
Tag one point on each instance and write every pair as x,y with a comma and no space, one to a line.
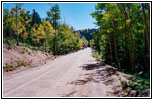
7,21
133,84
21,63
24,50
84,40
97,56
87,33
8,67
67,40
121,38
35,18
127,75
137,82
9,42
124,86
92,43
39,34
54,15
137,86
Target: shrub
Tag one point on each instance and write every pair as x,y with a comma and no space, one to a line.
29,53
9,42
97,56
137,82
23,50
21,63
8,67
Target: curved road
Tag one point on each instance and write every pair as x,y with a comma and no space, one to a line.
65,76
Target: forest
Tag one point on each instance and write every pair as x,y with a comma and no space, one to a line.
123,39
49,35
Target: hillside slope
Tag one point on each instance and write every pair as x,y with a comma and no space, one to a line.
20,56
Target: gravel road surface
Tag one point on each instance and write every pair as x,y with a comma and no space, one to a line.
72,75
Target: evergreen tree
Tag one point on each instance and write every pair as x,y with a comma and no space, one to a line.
35,18
53,17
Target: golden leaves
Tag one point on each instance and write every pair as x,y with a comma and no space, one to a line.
128,21
80,44
43,31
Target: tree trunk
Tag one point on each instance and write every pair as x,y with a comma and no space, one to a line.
45,45
98,46
115,45
125,34
54,38
148,7
132,50
110,48
17,34
146,29
132,47
55,43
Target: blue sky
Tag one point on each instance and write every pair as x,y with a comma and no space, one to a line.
75,14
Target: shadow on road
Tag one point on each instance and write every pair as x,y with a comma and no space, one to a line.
104,74
82,82
93,66
101,72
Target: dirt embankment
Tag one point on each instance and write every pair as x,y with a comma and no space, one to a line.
21,58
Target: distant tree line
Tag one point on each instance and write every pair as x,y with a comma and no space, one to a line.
87,34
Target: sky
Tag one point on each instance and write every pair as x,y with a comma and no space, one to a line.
76,15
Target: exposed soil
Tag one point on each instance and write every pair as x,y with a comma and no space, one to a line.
21,58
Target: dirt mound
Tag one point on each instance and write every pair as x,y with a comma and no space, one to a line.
20,56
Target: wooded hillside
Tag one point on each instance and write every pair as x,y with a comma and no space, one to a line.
22,28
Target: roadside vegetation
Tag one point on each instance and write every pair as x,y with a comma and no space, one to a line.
123,40
123,37
97,56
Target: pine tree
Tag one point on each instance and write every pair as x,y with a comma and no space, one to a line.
54,16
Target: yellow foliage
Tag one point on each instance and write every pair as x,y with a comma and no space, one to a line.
80,44
108,31
120,27
21,23
128,22
13,10
47,27
11,15
44,31
25,34
14,27
28,21
41,37
66,43
22,11
34,33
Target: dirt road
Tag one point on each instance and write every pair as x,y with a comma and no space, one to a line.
73,75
